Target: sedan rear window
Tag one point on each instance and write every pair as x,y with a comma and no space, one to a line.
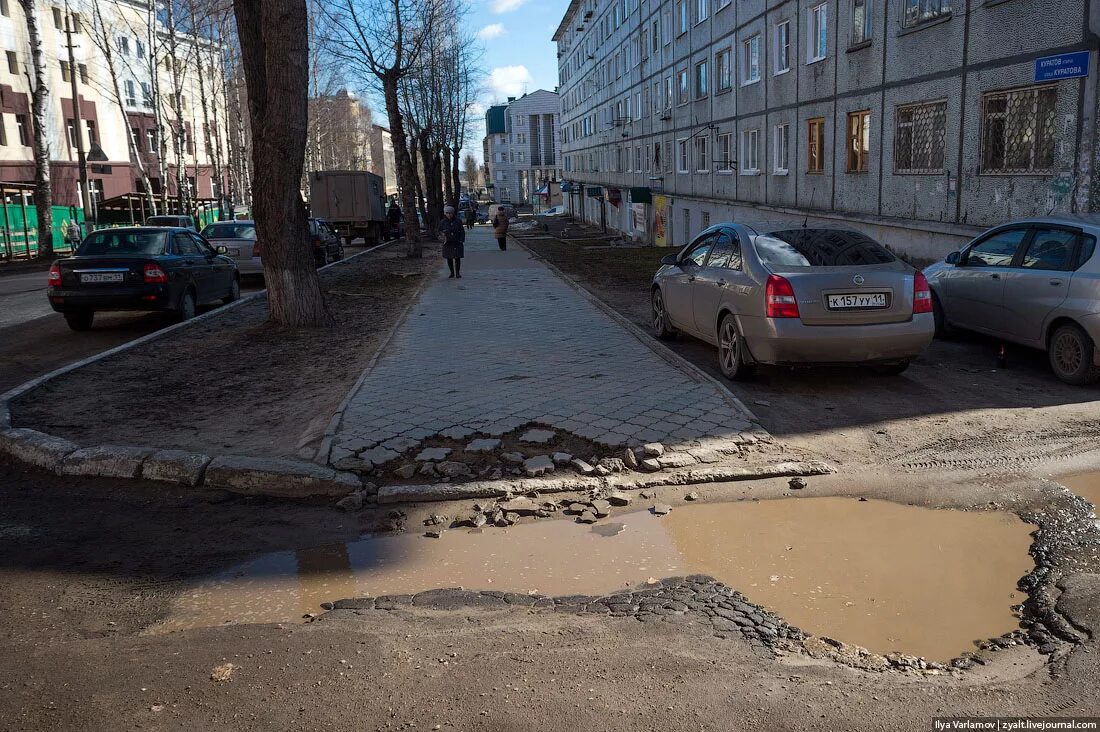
820,248
108,242
230,230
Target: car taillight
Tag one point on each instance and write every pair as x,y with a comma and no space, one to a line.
154,275
53,279
780,299
256,249
316,243
922,294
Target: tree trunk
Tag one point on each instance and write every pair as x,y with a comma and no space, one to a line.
406,175
449,195
455,177
419,188
40,106
275,56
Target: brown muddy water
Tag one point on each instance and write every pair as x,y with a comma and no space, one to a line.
882,575
1086,485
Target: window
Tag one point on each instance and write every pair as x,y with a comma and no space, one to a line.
66,72
815,149
92,136
13,63
861,21
724,3
668,92
668,156
698,253
131,96
1050,249
3,131
656,36
859,141
684,90
750,152
726,252
70,129
83,68
58,20
750,66
996,250
151,141
23,129
666,27
637,159
723,70
723,161
919,138
701,10
1018,130
701,82
706,221
782,146
74,21
682,155
124,45
783,47
682,17
139,48
4,10
702,162
922,11
818,42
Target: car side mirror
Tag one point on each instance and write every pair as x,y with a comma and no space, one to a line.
221,249
670,259
953,258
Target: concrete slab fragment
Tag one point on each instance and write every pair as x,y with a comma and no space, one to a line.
277,477
175,466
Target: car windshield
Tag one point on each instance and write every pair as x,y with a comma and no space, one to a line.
129,241
230,230
820,248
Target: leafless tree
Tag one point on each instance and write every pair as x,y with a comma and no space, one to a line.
470,172
40,108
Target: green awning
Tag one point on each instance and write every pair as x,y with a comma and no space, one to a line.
641,195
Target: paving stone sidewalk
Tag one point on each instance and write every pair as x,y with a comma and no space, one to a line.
510,344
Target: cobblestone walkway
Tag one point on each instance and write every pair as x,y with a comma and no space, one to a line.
510,344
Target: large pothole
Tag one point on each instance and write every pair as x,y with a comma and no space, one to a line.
881,575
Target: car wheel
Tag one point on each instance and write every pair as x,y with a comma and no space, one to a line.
731,351
234,292
186,309
1070,353
80,320
339,253
662,327
890,369
943,328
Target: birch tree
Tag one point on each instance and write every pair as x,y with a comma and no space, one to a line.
40,109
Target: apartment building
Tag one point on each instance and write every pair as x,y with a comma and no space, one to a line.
106,126
919,121
383,161
522,145
494,150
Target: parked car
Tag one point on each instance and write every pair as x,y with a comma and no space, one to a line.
554,211
140,268
327,244
237,240
793,296
483,214
1035,282
182,222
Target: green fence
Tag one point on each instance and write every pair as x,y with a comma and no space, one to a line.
19,229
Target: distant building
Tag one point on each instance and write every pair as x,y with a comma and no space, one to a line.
383,160
339,133
494,149
522,146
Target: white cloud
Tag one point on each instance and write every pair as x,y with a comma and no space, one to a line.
491,31
509,81
504,6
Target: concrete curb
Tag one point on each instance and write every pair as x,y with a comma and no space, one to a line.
237,473
654,345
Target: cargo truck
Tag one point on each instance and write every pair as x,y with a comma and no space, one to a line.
353,202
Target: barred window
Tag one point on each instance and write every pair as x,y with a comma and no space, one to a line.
1018,129
919,137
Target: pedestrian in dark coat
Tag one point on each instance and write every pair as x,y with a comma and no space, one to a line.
394,217
500,228
471,216
454,240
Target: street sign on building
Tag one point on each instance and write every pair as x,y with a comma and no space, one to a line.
1062,66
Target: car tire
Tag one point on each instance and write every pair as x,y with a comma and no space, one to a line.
943,327
234,292
80,320
339,253
890,369
731,351
186,308
662,327
1070,351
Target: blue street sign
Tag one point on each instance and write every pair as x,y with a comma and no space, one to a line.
1062,66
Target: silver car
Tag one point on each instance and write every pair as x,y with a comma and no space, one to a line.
793,296
1035,282
238,238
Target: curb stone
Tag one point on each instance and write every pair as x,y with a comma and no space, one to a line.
175,466
277,477
36,448
106,461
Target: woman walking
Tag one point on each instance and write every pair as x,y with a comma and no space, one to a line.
471,215
500,228
454,240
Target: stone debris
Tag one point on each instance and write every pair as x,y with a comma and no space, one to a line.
379,455
434,533
428,469
612,464
660,509
435,520
675,460
522,506
651,464
619,498
514,458
797,484
537,436
223,672
576,508
538,465
601,508
561,458
483,445
581,466
693,496
653,449
587,517
454,469
433,454
406,472
630,460
353,502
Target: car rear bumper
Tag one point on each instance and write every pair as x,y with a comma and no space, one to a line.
789,341
1091,324
249,266
143,297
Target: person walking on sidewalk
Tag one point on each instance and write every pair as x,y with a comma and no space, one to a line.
454,240
471,215
500,228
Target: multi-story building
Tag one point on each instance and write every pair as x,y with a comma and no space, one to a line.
522,146
165,140
494,150
917,120
383,161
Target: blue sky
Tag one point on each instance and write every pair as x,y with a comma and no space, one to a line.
519,55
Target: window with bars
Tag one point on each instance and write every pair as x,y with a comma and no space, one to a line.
919,135
1018,130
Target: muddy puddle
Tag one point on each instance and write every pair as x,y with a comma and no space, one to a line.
882,575
1086,485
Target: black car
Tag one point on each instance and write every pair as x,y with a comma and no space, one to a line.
140,268
327,244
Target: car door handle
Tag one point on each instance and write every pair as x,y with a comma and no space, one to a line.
994,276
1056,283
722,283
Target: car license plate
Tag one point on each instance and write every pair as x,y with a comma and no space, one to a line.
101,277
233,252
857,300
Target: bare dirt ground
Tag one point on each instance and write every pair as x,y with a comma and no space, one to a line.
235,383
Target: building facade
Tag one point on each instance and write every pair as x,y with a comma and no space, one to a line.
522,146
383,162
919,121
494,151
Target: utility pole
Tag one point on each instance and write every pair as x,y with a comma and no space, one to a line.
81,159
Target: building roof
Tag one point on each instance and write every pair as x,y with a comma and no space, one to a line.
562,27
494,120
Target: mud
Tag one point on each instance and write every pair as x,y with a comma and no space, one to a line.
880,575
1086,485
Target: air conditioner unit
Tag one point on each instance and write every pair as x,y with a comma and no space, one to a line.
587,14
666,114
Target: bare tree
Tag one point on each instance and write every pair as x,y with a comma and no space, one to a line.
470,172
275,54
40,108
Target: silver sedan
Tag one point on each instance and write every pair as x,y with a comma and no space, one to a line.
237,240
793,296
1035,282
